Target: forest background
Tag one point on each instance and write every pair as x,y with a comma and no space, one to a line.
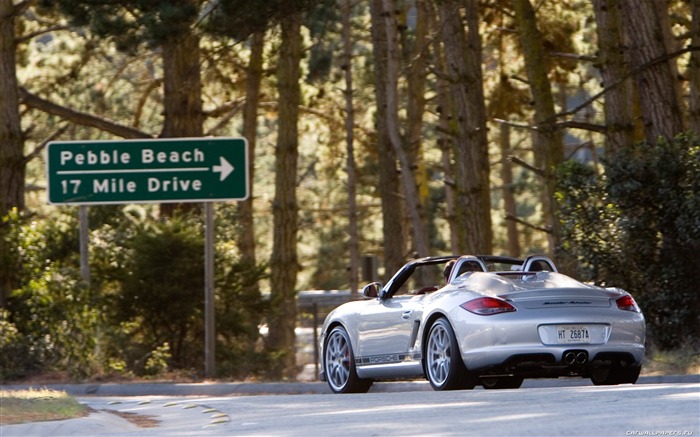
387,128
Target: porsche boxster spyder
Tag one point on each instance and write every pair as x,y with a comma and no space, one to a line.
462,321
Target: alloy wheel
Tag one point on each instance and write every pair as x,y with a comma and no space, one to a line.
439,355
337,360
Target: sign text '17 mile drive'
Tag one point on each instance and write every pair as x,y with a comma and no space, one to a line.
147,171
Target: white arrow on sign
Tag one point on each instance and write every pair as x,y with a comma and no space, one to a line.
225,168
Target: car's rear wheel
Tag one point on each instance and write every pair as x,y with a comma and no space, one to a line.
615,374
503,382
339,364
443,361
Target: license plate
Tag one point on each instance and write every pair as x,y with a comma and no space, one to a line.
573,334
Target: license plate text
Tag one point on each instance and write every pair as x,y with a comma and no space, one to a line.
573,334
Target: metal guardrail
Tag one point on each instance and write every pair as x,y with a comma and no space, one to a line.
324,298
314,305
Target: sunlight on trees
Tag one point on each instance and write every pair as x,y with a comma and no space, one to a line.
499,126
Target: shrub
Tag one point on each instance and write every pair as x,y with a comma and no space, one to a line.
143,313
638,227
52,310
154,276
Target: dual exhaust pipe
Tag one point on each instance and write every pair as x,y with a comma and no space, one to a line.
575,357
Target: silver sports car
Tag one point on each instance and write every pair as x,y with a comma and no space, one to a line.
460,321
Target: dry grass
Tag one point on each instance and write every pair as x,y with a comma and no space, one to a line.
37,405
678,362
140,420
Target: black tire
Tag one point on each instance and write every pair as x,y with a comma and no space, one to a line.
444,367
339,364
615,374
502,382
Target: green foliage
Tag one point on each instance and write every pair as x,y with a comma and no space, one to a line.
10,348
241,18
658,189
160,291
143,313
51,313
240,311
157,362
130,22
156,277
639,228
589,223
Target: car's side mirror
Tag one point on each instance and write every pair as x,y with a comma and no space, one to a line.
372,289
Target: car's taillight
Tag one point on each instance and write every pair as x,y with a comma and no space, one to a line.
488,306
627,303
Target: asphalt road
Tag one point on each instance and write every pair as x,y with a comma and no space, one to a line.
567,408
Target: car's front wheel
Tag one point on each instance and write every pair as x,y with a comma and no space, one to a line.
339,364
443,361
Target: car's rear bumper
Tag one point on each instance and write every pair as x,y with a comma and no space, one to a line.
528,338
551,361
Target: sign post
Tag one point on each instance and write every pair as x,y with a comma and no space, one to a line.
209,296
152,171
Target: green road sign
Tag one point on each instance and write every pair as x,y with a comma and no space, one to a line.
147,171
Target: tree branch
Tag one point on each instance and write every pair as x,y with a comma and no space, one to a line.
568,124
142,101
31,35
538,171
618,82
231,113
593,127
445,131
36,102
588,144
512,124
574,56
40,148
332,121
585,126
20,8
226,108
529,225
520,79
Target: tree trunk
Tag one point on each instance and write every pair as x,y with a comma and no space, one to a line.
182,95
353,237
12,165
284,264
415,87
392,207
11,142
482,237
246,235
509,204
446,138
548,140
463,59
618,101
656,84
391,79
694,70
